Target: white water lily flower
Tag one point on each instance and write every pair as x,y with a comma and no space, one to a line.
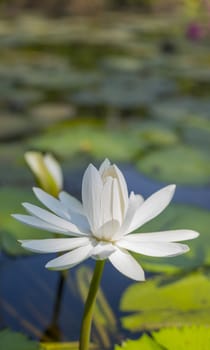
47,171
100,227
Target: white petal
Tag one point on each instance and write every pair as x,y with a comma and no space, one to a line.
152,207
52,218
110,202
108,230
102,250
117,209
61,210
54,168
71,203
91,196
163,236
54,245
127,265
123,189
35,222
104,166
106,201
70,259
51,203
134,203
156,249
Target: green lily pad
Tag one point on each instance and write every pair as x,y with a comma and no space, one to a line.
181,164
143,343
178,217
163,302
193,338
86,138
12,199
154,133
16,341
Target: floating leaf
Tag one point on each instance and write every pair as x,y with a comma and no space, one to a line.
96,141
143,343
10,245
181,164
11,199
154,133
10,340
193,338
163,302
177,217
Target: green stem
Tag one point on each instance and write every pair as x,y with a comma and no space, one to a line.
89,306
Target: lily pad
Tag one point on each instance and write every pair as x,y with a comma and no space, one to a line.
16,341
12,199
163,302
193,338
181,164
154,133
143,343
89,139
178,217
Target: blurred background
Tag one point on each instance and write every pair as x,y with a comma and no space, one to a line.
88,79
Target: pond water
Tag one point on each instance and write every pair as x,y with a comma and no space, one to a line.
117,92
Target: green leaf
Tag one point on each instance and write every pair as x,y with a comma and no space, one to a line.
10,244
72,139
10,340
181,164
193,338
167,302
178,217
143,343
12,230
